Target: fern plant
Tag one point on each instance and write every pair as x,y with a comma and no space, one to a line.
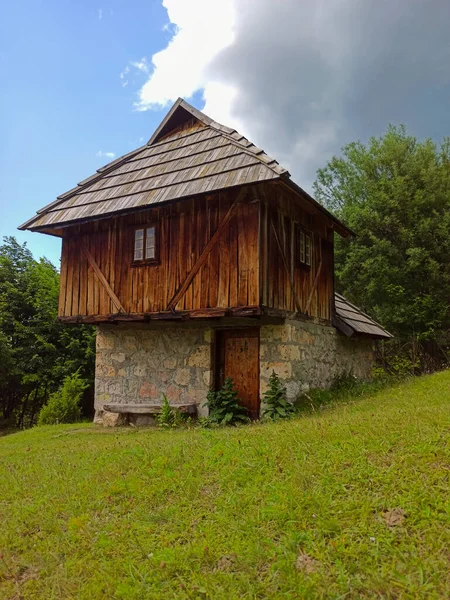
277,405
169,416
224,405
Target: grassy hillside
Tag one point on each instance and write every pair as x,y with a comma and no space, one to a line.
351,502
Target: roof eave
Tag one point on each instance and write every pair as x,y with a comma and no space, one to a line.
339,226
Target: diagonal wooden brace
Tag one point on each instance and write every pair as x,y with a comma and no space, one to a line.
91,260
207,249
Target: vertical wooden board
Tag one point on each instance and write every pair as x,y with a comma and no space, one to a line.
204,271
90,282
233,280
252,228
112,258
219,262
263,254
82,308
242,244
102,263
63,279
205,283
182,251
118,262
287,252
69,280
164,255
125,259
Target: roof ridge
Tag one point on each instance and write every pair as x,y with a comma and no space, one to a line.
245,149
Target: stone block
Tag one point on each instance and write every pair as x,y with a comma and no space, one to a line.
140,370
118,357
200,357
282,369
182,376
206,376
115,387
207,336
114,419
108,371
270,333
288,352
129,342
101,399
148,390
173,393
286,332
264,350
170,362
104,340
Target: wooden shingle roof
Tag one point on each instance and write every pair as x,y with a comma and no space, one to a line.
351,320
189,154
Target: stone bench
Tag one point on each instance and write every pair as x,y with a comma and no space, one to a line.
139,414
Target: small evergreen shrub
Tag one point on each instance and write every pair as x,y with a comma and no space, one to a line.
224,405
169,416
64,404
276,404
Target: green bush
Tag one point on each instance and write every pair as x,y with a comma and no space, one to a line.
64,404
277,405
224,405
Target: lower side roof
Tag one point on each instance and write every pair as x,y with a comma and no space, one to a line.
351,320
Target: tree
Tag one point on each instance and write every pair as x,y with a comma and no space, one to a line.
36,352
394,193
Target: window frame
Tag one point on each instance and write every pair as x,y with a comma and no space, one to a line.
299,233
142,262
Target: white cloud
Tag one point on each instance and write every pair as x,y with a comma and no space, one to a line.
141,65
102,154
202,29
301,78
100,13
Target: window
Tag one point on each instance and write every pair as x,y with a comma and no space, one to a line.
303,246
145,245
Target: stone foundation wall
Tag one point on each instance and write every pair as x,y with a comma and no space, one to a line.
305,355
137,363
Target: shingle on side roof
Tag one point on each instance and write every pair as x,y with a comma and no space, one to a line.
351,320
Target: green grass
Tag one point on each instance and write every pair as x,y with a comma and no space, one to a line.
296,509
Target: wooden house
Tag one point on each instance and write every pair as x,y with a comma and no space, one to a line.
197,257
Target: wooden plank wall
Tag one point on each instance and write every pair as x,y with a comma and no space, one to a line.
283,209
229,278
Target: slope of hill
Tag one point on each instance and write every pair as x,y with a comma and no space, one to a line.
349,502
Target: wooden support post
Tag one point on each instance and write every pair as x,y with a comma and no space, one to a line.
206,250
101,277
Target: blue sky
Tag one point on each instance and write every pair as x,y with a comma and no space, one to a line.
83,82
62,100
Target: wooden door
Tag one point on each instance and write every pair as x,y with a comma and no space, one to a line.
238,358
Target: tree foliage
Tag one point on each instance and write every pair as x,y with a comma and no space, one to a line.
64,404
36,352
394,193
